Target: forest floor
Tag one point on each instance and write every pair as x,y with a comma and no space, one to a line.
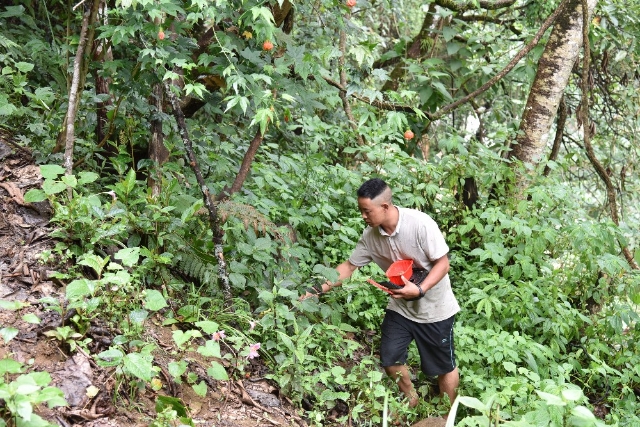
94,396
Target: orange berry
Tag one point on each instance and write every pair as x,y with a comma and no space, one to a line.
351,3
161,35
408,134
267,45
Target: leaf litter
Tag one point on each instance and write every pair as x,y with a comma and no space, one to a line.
94,396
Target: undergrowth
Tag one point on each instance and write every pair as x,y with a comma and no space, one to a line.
531,348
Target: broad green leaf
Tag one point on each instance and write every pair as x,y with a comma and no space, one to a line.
551,399
584,416
34,196
78,289
180,337
327,272
51,171
208,326
8,334
31,318
53,396
111,357
509,367
474,403
210,349
9,366
130,181
128,256
153,300
138,316
13,305
86,177
140,366
94,261
24,67
174,403
42,378
51,187
176,369
217,372
200,389
572,394
70,180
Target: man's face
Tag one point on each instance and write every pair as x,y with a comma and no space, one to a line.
373,212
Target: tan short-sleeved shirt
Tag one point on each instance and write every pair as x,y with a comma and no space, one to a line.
416,237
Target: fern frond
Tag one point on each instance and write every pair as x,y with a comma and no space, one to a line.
192,266
248,215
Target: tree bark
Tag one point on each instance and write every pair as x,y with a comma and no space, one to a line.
245,167
78,69
209,202
158,153
547,89
416,49
562,120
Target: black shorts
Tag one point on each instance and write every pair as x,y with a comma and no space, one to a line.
434,342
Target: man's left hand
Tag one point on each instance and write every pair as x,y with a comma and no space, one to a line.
408,291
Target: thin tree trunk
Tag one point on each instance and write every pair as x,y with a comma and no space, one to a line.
73,95
158,153
206,195
78,70
417,48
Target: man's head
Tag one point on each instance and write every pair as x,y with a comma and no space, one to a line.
375,201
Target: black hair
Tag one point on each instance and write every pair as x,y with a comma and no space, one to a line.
372,188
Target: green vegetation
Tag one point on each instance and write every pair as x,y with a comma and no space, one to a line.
542,262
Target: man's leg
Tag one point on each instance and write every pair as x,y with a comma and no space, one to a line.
448,384
400,374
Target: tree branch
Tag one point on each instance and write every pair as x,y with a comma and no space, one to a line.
489,5
383,105
245,167
557,141
586,130
547,23
444,110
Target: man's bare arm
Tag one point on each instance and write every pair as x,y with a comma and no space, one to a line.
345,270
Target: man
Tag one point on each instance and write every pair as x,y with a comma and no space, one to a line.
396,233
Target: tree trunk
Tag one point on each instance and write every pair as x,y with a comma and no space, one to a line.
76,86
158,152
554,69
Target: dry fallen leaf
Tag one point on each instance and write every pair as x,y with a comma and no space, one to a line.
14,192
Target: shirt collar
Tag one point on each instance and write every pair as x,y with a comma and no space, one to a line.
400,215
